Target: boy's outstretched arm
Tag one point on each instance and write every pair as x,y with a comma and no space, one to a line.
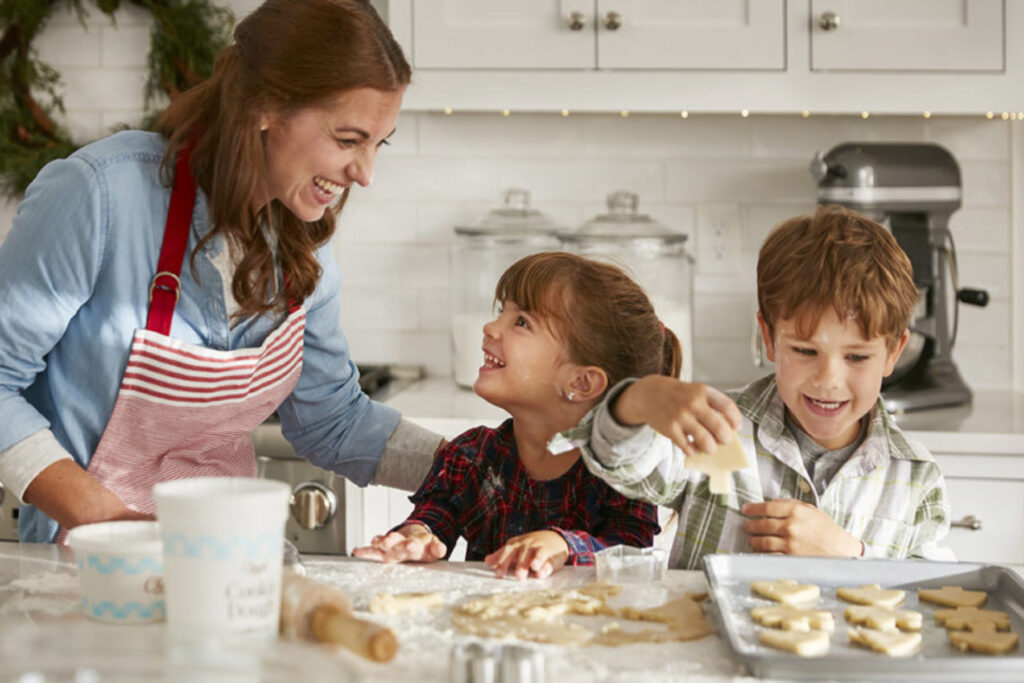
786,526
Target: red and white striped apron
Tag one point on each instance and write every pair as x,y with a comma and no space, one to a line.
184,410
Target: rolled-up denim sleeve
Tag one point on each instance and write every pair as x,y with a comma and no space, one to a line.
328,419
49,264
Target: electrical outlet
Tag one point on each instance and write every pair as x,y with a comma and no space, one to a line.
718,238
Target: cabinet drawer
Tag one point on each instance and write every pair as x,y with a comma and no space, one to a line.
999,506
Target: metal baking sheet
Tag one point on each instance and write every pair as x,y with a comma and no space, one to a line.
729,577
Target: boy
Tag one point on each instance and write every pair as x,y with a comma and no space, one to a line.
829,472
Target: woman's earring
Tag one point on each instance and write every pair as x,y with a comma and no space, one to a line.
570,395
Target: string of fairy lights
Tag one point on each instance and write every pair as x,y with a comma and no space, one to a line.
745,113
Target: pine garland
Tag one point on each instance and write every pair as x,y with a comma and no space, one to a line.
186,36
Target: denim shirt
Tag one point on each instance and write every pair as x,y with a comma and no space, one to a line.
75,272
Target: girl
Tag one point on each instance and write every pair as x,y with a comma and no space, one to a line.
568,329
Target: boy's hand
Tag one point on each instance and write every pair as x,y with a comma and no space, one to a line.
792,527
538,553
696,417
411,543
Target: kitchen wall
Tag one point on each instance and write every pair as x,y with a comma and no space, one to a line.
442,170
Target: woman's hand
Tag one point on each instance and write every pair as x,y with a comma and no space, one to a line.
696,417
410,543
791,527
538,553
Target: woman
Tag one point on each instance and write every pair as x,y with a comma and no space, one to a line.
120,365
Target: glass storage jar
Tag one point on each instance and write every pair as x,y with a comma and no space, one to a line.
655,256
480,254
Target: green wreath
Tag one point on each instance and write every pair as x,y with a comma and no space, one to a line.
186,36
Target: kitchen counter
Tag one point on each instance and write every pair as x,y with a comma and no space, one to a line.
993,424
43,627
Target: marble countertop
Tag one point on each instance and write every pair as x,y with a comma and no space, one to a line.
993,424
45,632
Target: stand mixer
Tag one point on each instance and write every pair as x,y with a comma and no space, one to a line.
912,189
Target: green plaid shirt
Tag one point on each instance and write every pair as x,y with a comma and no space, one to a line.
890,493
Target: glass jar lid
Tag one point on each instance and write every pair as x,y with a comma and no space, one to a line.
623,222
513,219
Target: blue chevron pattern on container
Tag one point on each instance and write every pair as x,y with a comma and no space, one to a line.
205,547
119,564
107,609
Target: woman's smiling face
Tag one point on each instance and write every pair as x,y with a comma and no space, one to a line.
313,154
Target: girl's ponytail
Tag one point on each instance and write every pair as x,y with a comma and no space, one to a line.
672,354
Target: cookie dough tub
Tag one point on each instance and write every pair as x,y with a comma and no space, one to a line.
729,578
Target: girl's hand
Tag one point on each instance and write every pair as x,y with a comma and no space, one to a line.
696,417
791,527
411,543
538,553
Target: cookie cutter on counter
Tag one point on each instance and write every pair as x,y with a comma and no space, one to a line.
476,662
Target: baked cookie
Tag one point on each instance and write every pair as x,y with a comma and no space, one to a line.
872,594
985,640
892,643
883,618
953,596
786,591
803,643
790,618
972,619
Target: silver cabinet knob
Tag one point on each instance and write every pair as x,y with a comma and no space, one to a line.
313,505
828,21
612,21
969,522
577,21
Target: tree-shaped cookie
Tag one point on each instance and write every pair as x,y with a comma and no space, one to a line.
969,619
790,618
984,639
872,594
883,618
720,464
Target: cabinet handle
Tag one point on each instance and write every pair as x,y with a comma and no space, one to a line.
969,522
577,21
612,21
829,21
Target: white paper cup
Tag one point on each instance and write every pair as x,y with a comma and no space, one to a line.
222,546
119,571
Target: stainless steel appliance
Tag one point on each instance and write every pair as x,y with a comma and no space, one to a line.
912,189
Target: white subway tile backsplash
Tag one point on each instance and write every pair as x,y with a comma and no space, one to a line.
71,45
402,266
364,220
656,136
761,219
98,89
584,180
989,325
752,180
792,136
84,125
126,45
494,135
981,230
985,183
984,366
724,316
971,139
884,129
727,362
374,308
985,271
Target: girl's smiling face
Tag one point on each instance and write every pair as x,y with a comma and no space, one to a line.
313,154
832,379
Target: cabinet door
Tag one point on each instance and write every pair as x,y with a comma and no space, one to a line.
502,34
697,34
908,35
999,506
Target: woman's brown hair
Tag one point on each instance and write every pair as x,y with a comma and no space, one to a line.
837,259
604,316
287,55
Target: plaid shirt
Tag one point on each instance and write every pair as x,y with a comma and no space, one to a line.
889,494
479,489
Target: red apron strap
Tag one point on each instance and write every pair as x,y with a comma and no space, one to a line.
166,285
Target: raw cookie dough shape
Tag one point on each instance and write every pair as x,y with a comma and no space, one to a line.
884,618
786,591
790,618
984,639
872,594
538,616
969,619
953,596
720,464
892,643
803,643
392,603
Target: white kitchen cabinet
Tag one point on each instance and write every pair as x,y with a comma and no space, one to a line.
915,35
717,56
601,34
988,518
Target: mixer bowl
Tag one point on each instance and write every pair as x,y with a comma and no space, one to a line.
908,360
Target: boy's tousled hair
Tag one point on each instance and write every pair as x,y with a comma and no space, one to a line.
603,315
837,259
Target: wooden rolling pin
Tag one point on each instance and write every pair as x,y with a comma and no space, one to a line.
314,611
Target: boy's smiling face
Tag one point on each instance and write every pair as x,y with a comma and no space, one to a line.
832,379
